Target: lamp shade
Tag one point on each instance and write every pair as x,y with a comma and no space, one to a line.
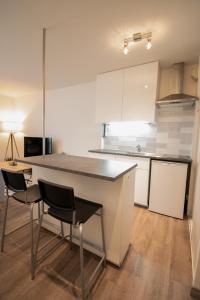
12,126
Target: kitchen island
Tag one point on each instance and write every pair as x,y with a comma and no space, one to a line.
108,182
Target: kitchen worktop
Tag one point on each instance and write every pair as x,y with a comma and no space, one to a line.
164,157
99,168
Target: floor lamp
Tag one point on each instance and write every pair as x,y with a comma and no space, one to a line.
12,128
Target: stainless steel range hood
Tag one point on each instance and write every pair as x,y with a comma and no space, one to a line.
177,96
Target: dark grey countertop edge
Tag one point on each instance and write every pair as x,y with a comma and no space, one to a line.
151,156
107,178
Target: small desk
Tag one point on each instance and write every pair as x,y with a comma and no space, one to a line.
20,167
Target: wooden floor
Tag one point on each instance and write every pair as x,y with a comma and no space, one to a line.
158,266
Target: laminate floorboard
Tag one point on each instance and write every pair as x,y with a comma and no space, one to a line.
158,265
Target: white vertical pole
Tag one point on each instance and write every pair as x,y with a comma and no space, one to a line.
44,87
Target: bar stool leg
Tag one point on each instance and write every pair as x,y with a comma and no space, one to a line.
103,237
31,240
70,236
43,207
62,229
38,235
82,262
37,243
39,211
4,224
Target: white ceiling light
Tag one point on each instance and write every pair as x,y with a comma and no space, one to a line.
149,44
126,50
137,37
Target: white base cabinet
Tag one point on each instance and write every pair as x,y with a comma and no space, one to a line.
141,175
141,186
141,178
167,188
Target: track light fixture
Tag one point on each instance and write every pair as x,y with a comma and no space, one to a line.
137,37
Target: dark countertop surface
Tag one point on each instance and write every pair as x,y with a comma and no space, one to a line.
98,168
163,157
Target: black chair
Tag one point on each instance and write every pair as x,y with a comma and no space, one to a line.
17,189
65,207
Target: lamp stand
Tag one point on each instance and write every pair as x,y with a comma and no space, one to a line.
12,143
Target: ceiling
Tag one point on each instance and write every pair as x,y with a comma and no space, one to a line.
85,38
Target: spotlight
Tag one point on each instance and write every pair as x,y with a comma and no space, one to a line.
125,50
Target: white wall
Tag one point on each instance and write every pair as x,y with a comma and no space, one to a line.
195,234
69,118
27,110
195,222
31,107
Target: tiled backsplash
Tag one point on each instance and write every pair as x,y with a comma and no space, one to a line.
172,133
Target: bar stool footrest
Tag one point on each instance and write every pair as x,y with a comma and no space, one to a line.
12,231
99,249
54,246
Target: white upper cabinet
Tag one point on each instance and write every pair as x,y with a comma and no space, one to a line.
128,94
140,92
109,95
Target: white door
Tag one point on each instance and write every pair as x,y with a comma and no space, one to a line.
140,92
109,95
167,188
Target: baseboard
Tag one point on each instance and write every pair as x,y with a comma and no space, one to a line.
191,250
195,293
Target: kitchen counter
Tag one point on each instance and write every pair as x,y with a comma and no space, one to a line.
91,167
163,157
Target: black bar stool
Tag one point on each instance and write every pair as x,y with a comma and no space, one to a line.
65,207
15,182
